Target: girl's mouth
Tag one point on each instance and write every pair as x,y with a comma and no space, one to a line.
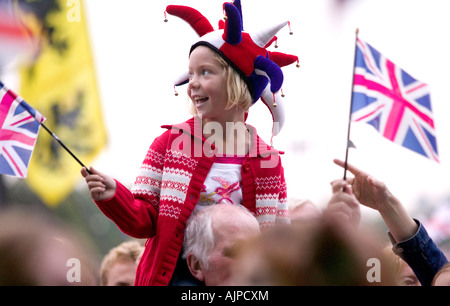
200,100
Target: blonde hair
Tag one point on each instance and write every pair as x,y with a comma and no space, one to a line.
444,269
237,90
126,251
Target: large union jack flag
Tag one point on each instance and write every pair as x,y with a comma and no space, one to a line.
19,127
392,101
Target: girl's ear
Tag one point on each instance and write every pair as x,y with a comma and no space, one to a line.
195,267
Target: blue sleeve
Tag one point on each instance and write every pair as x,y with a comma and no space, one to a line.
421,254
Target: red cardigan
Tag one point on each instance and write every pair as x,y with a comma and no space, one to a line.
168,188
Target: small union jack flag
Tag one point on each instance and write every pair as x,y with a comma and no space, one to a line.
19,127
391,100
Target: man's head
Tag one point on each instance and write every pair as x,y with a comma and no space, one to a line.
119,265
211,237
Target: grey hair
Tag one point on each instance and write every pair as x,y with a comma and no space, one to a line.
199,236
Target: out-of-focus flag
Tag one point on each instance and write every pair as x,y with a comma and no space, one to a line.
391,100
19,128
18,43
62,85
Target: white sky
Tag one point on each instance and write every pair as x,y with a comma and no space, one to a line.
137,57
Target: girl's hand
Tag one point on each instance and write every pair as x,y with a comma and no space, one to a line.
101,186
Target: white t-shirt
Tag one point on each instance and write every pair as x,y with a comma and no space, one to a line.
223,183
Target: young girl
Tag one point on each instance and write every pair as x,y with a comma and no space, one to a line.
205,160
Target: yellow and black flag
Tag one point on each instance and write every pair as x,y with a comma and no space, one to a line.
61,83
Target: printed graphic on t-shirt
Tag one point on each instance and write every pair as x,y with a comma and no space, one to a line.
221,194
222,184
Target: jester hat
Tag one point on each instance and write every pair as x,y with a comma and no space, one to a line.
246,52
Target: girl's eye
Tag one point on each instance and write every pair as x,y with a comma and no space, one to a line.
204,72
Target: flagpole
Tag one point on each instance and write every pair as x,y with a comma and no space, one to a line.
45,127
351,107
64,146
60,142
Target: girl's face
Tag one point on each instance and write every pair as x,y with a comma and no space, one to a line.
208,86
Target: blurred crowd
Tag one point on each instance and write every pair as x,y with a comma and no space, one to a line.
224,245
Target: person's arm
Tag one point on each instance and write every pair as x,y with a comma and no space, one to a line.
421,254
374,194
134,213
132,216
394,214
101,186
409,238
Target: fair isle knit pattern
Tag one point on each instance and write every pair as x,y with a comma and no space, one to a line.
168,188
170,185
271,204
175,185
148,180
158,183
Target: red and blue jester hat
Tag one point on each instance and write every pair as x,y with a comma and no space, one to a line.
245,52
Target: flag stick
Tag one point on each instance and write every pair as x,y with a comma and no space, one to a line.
60,142
47,129
351,107
64,146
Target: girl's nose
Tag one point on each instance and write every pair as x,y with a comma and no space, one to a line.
193,82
